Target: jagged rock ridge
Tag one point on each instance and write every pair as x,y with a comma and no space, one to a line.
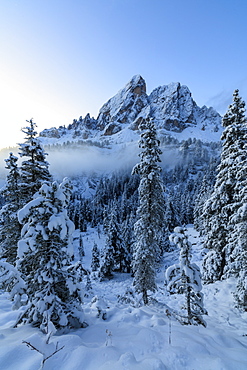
171,106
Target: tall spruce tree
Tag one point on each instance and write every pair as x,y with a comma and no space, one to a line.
10,231
10,228
34,168
223,202
150,212
45,257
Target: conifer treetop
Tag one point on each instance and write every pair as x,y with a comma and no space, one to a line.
236,111
151,152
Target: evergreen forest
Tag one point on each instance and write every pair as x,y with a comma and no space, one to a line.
141,218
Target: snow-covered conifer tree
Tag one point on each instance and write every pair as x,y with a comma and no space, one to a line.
114,255
45,255
171,215
240,294
128,239
185,278
81,247
107,261
10,228
241,289
78,243
238,266
203,195
34,168
150,212
224,200
95,263
10,231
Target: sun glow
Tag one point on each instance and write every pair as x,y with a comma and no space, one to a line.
20,103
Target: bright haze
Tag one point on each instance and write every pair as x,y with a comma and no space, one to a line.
61,59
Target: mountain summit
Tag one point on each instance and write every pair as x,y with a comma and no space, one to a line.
124,107
171,106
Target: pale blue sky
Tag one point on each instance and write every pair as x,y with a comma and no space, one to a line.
60,59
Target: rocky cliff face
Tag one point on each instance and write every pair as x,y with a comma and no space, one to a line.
124,107
171,106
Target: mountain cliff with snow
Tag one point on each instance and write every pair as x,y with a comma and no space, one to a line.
171,106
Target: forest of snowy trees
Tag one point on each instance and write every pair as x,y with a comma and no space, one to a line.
143,216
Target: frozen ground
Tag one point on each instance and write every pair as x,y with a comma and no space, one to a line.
133,337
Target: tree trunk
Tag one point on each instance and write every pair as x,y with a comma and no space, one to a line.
145,297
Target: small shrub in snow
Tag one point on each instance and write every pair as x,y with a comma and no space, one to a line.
99,304
108,341
129,298
45,348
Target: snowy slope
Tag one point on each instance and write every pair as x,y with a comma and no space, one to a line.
134,337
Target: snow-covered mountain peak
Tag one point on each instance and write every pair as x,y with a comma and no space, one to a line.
137,85
124,107
171,106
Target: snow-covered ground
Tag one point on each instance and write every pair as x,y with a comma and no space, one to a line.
133,337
